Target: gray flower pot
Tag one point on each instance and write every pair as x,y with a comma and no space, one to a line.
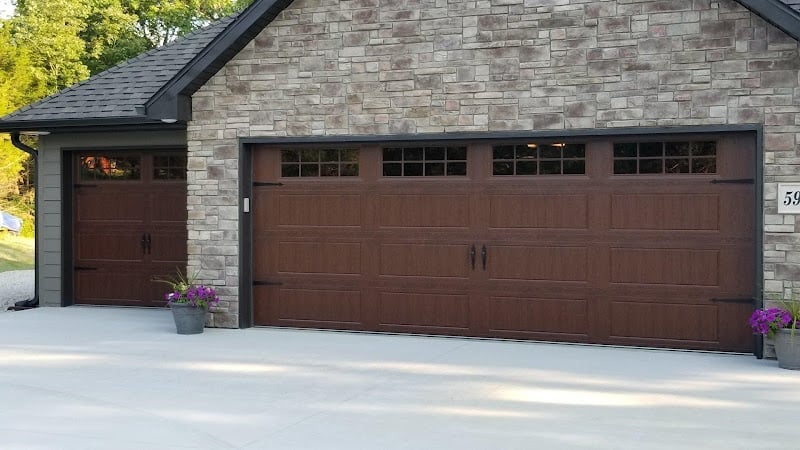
787,349
188,319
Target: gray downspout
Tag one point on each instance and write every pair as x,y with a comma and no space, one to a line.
35,155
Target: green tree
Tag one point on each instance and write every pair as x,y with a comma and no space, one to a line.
161,21
18,86
51,31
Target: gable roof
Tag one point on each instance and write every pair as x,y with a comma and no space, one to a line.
149,88
156,87
120,92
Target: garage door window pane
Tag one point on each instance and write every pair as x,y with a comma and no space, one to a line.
111,168
679,157
169,167
539,159
319,163
574,167
424,161
503,168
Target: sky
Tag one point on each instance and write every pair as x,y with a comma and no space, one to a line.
6,9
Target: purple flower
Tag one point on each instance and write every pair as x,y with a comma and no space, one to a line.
768,321
199,296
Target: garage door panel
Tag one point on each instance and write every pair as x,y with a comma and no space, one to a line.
666,266
316,210
165,246
112,286
738,221
424,260
528,262
263,210
436,311
648,320
737,269
538,211
538,315
433,211
319,257
263,258
168,207
107,207
95,245
317,305
690,211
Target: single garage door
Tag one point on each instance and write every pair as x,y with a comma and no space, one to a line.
129,225
635,241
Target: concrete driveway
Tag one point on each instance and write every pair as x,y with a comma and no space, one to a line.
112,378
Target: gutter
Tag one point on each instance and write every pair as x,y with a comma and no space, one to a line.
15,140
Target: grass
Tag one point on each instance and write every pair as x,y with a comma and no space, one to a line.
16,252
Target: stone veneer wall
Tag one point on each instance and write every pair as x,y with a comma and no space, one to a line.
372,67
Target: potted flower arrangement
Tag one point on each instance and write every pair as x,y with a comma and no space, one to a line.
189,302
780,324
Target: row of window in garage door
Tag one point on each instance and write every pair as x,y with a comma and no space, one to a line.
681,157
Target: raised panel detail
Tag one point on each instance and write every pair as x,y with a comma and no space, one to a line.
537,263
315,210
169,207
109,247
319,305
109,286
321,258
543,315
538,211
424,260
665,212
111,207
424,310
665,266
664,321
435,211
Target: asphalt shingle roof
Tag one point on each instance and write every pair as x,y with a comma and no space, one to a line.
794,4
117,92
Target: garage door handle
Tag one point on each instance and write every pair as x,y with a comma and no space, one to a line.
472,256
483,257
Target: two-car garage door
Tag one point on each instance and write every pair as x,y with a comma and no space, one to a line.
633,242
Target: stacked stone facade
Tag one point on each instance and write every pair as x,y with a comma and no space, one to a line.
377,67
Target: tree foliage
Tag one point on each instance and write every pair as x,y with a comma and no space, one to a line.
49,45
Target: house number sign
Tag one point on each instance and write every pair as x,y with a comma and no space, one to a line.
788,198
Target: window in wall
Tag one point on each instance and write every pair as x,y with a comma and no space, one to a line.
665,157
440,161
111,168
539,159
171,167
319,163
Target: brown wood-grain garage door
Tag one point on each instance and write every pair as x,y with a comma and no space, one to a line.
129,226
633,242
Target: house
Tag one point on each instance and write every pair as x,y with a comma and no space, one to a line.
564,170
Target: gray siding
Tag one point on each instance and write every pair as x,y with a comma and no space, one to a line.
52,147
